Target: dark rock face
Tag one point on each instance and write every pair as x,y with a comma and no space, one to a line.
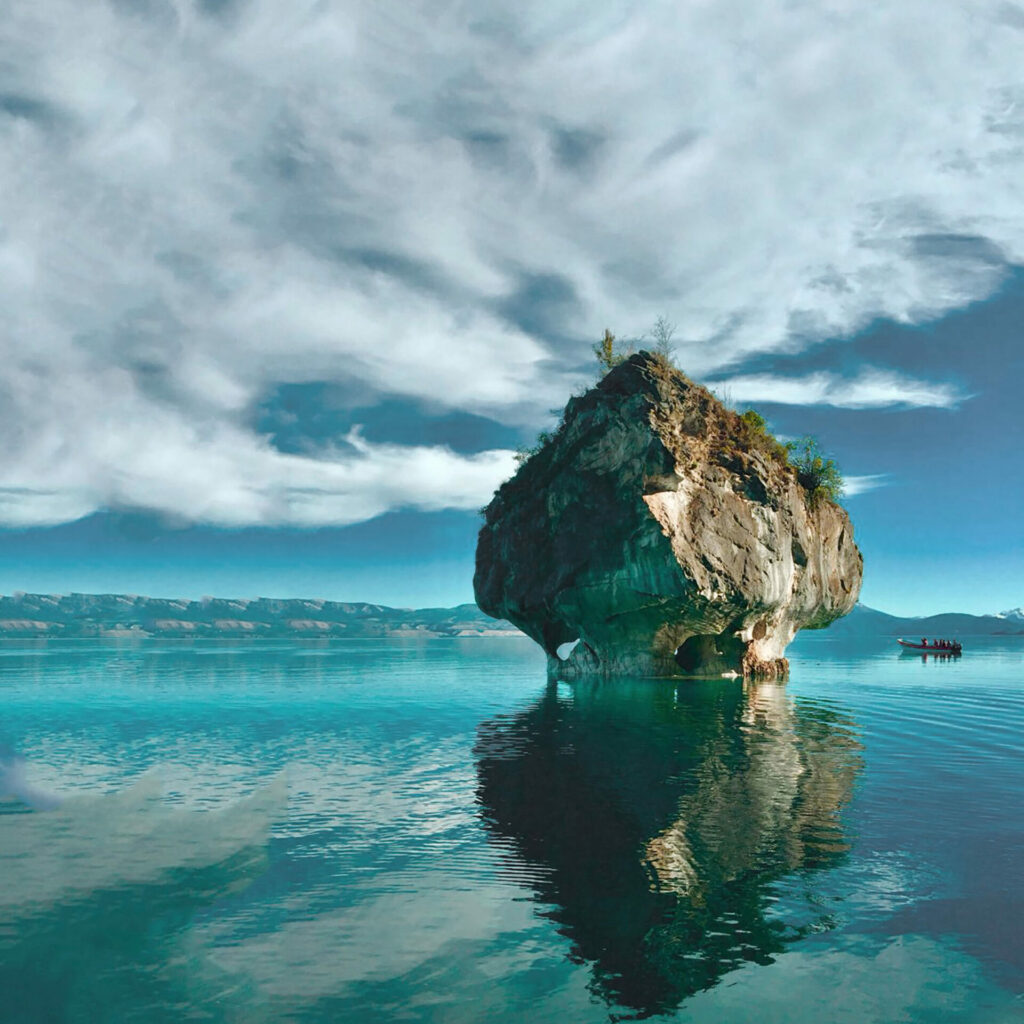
657,531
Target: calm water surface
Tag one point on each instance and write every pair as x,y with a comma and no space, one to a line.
429,832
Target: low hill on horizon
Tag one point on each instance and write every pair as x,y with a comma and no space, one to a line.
129,615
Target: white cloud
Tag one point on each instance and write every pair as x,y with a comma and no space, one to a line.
854,485
209,471
870,389
195,209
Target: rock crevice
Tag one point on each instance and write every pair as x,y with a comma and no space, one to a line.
657,529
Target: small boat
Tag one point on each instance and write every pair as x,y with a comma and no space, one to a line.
953,648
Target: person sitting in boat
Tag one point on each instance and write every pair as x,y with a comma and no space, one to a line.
924,641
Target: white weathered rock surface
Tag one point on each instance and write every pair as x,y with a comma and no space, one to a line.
662,533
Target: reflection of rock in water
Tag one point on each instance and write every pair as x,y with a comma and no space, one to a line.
97,899
655,820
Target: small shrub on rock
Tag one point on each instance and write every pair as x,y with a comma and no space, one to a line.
819,476
528,451
608,354
758,436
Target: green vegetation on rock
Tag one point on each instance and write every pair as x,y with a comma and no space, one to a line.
608,354
760,438
819,476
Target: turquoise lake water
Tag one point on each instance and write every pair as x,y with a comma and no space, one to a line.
427,831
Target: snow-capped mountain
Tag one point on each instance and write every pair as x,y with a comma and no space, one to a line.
1016,614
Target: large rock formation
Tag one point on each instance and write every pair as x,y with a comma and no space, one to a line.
665,534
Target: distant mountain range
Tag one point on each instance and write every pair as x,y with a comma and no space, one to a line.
128,615
864,621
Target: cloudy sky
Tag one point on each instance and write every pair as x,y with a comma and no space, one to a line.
284,282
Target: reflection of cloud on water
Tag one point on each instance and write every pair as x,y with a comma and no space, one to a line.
912,978
328,958
15,787
654,822
98,897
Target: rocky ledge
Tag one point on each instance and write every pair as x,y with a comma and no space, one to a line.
665,535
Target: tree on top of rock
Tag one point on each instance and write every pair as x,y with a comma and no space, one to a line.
608,357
